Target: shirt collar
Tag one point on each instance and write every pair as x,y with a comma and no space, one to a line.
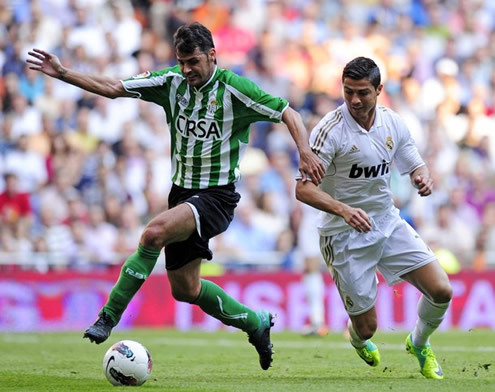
378,117
209,80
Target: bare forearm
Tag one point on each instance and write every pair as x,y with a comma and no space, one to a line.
309,164
310,194
297,130
100,85
43,61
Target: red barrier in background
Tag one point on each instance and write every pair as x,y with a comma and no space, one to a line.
70,301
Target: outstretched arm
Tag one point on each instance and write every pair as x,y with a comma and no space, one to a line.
309,193
50,65
420,178
309,164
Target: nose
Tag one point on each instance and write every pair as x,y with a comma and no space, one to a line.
355,99
186,69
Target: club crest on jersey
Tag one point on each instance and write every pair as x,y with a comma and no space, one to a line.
212,107
142,75
389,143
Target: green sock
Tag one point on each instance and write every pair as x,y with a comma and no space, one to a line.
217,303
133,274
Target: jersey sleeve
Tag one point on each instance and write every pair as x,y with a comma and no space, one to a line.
407,158
151,86
255,104
322,140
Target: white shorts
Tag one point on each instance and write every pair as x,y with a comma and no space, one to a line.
392,246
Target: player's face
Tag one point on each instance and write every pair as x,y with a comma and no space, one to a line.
197,67
360,97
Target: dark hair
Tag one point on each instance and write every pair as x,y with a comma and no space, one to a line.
362,68
189,37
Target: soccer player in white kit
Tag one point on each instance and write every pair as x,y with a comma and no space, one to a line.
360,228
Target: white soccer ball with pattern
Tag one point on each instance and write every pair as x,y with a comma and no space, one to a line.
127,363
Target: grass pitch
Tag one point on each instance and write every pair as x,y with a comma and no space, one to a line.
225,361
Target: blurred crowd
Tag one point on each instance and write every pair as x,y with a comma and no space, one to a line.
80,175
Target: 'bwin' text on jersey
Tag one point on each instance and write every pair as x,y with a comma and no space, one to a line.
204,129
370,171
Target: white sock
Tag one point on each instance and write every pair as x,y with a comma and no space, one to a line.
430,315
355,339
314,288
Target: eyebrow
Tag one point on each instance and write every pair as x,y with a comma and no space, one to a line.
185,60
358,90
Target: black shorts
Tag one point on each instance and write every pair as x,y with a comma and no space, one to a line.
215,207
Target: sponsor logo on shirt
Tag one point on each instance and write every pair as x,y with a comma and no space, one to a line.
370,171
181,100
200,129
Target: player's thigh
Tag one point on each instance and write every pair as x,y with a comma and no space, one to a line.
176,224
352,262
403,252
432,281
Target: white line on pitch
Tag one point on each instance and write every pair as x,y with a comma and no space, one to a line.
320,343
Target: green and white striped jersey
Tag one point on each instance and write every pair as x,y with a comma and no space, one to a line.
209,125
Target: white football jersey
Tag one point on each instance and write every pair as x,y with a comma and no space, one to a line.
357,161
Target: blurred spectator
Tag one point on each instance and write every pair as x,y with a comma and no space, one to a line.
125,29
15,206
449,233
31,85
81,139
59,193
247,236
26,119
100,238
29,166
129,232
55,240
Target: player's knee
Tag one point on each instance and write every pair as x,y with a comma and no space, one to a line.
442,293
183,295
152,237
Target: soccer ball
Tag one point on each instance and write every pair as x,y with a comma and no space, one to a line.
127,363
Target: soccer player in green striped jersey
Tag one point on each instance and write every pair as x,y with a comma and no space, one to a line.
209,112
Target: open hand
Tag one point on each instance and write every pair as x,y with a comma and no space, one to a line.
45,62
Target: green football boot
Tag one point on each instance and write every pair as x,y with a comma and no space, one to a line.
369,353
427,361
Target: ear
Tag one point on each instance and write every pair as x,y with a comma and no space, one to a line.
212,54
379,89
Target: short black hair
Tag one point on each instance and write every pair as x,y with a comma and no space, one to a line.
191,36
362,68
